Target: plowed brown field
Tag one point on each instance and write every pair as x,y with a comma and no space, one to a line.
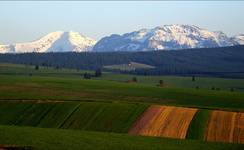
225,126
164,121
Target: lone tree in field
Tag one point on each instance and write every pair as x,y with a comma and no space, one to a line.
37,67
161,83
87,76
98,73
193,79
134,79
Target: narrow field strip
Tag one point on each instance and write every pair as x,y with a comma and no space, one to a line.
110,117
198,125
142,122
58,114
34,115
93,116
225,127
164,121
10,112
239,129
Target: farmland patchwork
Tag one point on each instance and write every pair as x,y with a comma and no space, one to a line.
132,118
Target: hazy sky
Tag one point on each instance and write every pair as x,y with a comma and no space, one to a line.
25,21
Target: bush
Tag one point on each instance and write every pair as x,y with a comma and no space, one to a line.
36,67
161,83
87,76
134,79
98,73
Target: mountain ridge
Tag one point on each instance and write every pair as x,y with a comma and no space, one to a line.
165,37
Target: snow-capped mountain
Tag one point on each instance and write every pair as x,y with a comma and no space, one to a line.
53,42
164,38
167,37
239,39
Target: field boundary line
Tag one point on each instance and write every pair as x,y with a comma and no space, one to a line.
44,115
71,113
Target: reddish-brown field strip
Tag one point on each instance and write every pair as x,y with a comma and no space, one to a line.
142,122
239,129
164,121
225,126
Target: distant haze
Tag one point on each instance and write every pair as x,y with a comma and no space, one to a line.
25,21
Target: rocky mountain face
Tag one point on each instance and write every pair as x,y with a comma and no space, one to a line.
167,37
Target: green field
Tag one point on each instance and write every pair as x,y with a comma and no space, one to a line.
14,87
117,117
209,83
65,111
110,117
58,139
198,125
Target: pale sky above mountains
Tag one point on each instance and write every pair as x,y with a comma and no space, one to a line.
27,21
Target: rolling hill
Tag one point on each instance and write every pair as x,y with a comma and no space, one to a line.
58,109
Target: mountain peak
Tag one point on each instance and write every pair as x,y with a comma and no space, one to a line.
58,41
239,39
166,37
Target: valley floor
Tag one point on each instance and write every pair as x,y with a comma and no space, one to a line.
59,109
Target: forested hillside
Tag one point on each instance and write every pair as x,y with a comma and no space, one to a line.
210,60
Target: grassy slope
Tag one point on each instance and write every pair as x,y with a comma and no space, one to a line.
198,125
10,112
170,81
116,117
56,116
45,139
181,82
17,69
58,88
33,115
112,117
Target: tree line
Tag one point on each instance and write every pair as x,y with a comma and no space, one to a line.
192,61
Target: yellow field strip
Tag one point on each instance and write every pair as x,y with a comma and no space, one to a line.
225,126
164,121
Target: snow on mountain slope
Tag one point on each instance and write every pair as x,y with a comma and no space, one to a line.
164,37
167,37
239,39
53,42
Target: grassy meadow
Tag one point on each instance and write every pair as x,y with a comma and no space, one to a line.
59,139
54,108
15,87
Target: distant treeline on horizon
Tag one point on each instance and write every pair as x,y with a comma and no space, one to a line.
189,61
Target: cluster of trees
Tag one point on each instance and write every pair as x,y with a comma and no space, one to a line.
98,73
195,61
